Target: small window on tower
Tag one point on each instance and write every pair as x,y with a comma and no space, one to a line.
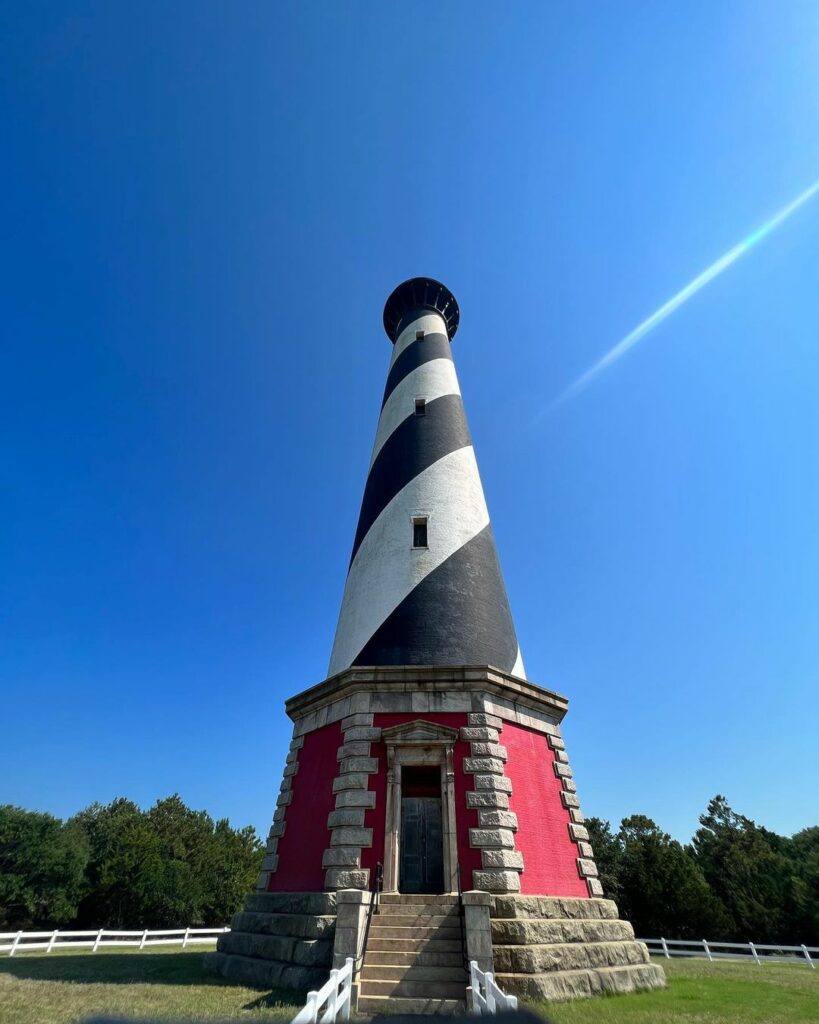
420,406
419,335
419,532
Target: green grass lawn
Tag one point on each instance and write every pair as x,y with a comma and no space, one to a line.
66,987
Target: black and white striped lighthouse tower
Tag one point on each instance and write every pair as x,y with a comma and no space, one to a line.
426,762
424,585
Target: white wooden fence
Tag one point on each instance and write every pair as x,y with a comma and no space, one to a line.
733,951
22,942
486,996
335,993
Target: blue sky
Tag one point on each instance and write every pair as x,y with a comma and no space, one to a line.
204,207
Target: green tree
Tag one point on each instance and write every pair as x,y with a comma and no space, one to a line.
42,869
750,870
663,891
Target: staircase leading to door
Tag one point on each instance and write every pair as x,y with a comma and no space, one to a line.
414,957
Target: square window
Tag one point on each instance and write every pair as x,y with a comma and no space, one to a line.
419,335
420,406
419,532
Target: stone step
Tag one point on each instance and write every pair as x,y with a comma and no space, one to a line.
418,910
396,1005
413,972
378,943
306,952
532,931
302,926
568,956
415,989
415,957
564,985
452,923
443,899
265,973
553,907
391,931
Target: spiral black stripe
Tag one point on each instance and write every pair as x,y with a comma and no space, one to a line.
457,615
431,346
414,445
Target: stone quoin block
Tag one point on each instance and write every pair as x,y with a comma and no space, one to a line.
587,868
491,837
357,720
355,798
483,764
578,832
346,878
480,733
562,771
356,733
490,721
497,819
499,782
351,836
511,859
353,748
569,799
346,816
497,880
569,785
585,850
489,750
358,764
555,741
283,799
491,798
342,857
353,780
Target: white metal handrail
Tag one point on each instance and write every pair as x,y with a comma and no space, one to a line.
487,997
756,951
336,993
23,942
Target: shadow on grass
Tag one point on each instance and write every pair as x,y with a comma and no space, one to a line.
112,968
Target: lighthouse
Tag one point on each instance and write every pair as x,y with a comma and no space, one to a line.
427,767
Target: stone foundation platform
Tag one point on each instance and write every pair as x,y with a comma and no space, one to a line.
546,947
280,939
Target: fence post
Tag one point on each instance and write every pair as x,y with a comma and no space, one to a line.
665,948
185,940
332,1001
15,943
53,939
807,956
349,964
312,1006
489,978
97,940
756,955
707,950
144,937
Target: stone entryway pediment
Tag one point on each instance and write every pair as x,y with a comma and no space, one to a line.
419,733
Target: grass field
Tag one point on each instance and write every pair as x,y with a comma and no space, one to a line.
65,987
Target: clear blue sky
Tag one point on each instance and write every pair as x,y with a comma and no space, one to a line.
204,207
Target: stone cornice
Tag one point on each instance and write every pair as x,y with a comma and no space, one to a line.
453,679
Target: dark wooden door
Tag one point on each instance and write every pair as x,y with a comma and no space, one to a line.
422,848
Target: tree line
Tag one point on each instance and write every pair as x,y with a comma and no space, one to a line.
735,881
118,866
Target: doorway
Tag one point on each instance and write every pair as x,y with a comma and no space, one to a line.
422,846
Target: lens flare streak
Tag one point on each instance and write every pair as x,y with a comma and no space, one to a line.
684,295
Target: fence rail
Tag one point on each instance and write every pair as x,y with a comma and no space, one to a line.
487,998
23,942
335,994
755,951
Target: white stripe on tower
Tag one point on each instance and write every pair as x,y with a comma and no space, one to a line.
429,381
386,569
444,603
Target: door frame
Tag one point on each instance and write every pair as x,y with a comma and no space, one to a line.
420,743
